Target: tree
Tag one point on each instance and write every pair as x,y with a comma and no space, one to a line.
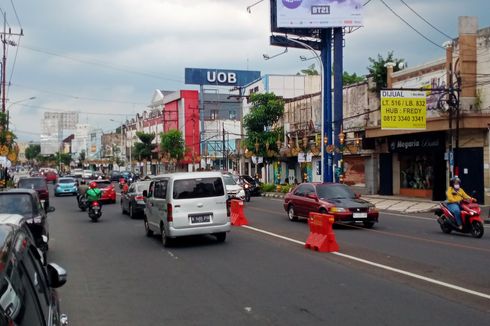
143,150
266,110
64,158
172,145
349,79
310,71
33,151
377,69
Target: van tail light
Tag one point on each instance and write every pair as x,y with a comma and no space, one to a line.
170,216
139,198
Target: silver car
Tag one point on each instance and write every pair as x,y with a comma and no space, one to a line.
182,204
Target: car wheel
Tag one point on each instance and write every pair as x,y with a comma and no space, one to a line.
368,224
220,237
149,232
131,212
291,214
122,208
166,241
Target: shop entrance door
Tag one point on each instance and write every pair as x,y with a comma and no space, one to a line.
386,174
471,171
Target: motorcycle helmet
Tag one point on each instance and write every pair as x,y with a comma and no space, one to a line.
454,180
93,185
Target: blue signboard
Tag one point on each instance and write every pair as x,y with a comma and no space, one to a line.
220,77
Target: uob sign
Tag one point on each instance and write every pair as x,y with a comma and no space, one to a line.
220,77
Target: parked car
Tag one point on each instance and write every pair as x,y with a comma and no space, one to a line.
133,202
25,202
108,191
50,176
27,288
39,184
182,204
332,198
78,173
66,186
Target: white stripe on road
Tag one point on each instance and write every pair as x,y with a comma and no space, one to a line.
385,267
409,216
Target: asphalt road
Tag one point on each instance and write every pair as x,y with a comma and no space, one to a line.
118,276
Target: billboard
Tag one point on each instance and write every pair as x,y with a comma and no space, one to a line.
220,77
403,109
318,13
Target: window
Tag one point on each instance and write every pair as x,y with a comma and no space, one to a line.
32,183
198,188
334,191
300,191
16,204
161,189
214,114
232,114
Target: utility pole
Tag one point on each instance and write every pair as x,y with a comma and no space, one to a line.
224,148
4,57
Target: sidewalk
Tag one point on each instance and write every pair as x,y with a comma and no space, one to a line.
388,203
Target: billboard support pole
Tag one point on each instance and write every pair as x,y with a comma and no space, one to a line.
338,98
326,44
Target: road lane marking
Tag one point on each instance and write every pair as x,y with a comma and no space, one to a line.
394,234
385,267
409,216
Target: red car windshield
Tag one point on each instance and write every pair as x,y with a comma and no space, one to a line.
334,191
103,184
32,183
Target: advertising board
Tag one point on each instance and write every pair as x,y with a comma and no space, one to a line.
220,77
318,13
403,109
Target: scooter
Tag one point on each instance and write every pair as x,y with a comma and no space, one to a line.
246,188
82,203
470,218
95,211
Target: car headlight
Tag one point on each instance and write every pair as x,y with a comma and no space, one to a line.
338,210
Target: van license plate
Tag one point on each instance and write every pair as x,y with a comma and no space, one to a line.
200,219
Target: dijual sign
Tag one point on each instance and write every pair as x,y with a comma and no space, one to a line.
403,109
220,77
318,13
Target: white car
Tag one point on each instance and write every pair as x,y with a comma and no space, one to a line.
87,174
233,189
182,204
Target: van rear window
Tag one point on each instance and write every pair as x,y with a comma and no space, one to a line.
198,188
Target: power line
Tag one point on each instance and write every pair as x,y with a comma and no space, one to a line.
77,97
15,12
408,24
102,64
425,20
13,66
79,111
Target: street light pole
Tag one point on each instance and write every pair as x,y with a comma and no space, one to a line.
12,104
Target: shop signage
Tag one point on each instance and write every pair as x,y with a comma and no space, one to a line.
220,77
318,13
403,110
416,142
301,157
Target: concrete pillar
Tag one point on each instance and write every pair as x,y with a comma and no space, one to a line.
468,28
389,74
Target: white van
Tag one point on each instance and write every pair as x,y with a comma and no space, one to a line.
182,204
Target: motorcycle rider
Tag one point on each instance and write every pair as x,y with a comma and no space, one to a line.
82,190
455,194
93,193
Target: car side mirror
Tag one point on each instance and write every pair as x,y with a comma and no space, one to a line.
312,196
56,275
50,209
145,193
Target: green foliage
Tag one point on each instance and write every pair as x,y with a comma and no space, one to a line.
349,79
172,144
267,187
286,188
33,151
64,158
310,71
82,156
266,110
143,150
377,69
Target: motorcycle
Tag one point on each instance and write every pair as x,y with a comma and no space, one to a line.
246,188
470,218
82,203
94,211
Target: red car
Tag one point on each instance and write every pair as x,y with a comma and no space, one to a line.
332,198
50,176
108,191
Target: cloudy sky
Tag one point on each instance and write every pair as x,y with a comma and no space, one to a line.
105,58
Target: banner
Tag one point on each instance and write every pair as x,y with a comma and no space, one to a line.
319,13
403,110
